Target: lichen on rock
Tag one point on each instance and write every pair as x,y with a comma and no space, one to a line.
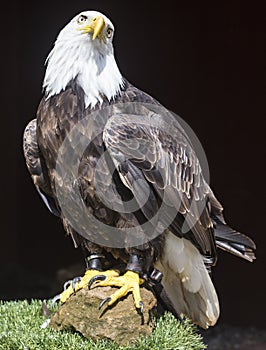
120,322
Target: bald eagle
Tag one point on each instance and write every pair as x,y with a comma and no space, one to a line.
82,79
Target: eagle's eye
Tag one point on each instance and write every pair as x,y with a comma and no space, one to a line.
82,19
109,32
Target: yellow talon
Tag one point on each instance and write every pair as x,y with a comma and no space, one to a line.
129,282
89,274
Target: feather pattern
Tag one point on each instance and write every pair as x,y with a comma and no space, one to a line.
169,165
156,153
144,164
186,281
36,166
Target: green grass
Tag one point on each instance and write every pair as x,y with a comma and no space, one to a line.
20,329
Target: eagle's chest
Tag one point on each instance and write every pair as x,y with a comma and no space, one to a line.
75,155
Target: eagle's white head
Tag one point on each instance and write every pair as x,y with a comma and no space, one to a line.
84,51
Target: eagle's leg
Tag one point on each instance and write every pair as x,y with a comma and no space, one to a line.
129,282
93,268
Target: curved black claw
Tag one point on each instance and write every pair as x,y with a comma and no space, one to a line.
55,299
96,278
141,307
67,284
74,282
106,300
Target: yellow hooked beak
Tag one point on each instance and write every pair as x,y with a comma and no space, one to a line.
96,27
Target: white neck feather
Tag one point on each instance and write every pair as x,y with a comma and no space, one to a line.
96,72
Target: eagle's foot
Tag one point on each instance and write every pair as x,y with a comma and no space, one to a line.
78,283
129,282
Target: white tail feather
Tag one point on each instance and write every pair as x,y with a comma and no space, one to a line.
186,281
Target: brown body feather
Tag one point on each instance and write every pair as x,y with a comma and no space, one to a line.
170,165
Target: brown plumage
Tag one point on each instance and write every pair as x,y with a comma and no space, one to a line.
170,167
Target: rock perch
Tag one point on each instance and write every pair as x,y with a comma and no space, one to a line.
120,323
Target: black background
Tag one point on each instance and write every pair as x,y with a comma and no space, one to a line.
204,61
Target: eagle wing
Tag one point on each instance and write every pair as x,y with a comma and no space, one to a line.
154,164
37,168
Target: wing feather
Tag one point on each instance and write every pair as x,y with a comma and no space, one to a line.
36,167
168,166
